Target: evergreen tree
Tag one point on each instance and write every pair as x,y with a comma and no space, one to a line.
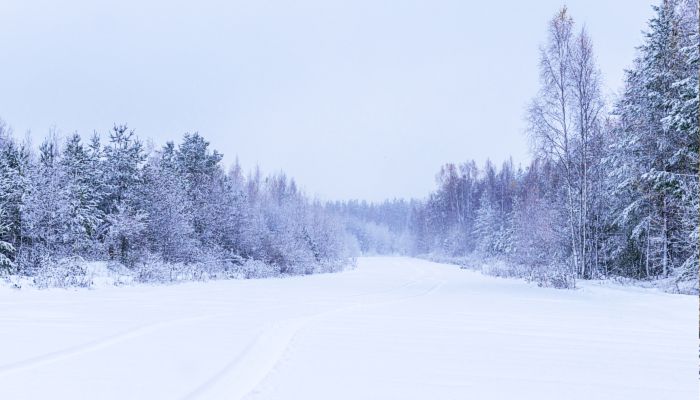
123,159
14,185
655,155
124,216
169,227
81,197
6,248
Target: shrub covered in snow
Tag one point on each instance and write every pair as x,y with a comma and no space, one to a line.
63,273
257,269
558,276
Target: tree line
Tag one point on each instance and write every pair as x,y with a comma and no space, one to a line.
610,191
175,205
380,228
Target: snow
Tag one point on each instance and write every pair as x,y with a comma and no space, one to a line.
391,328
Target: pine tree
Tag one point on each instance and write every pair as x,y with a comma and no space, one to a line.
655,155
80,196
6,248
124,215
123,159
202,175
683,125
169,226
14,184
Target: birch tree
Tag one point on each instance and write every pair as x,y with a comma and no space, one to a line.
564,125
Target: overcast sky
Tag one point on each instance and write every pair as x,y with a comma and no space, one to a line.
354,99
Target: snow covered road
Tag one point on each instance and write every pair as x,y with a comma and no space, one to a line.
394,328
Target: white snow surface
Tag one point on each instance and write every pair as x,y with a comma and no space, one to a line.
393,328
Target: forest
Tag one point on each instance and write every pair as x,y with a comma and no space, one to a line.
611,191
167,214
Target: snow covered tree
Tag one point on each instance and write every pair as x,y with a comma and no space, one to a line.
6,248
486,227
565,126
654,155
176,206
125,234
15,180
80,196
201,173
169,227
684,127
539,231
122,205
41,215
123,159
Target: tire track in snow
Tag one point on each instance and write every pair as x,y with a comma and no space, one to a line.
98,344
245,372
59,355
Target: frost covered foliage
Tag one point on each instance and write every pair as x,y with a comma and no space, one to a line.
558,276
654,159
376,228
6,249
608,194
166,215
67,272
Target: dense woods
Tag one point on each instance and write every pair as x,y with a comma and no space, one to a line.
172,213
610,191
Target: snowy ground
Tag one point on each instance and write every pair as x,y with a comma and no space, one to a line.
394,328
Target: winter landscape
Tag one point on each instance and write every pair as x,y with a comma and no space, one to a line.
501,221
392,327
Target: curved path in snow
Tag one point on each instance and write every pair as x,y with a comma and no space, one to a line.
392,328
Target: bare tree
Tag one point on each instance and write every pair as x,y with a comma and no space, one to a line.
549,118
588,105
564,125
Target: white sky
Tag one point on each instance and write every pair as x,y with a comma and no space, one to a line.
354,99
